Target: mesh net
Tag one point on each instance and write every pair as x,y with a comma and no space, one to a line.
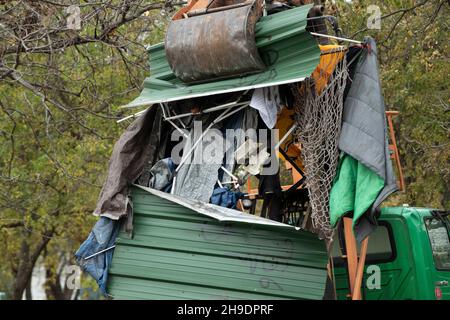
319,114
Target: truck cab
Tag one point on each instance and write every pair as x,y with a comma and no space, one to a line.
408,257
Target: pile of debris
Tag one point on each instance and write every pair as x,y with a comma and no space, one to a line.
237,88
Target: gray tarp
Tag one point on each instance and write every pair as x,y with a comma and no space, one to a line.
137,147
364,134
199,174
197,178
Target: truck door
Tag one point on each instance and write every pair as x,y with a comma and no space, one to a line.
388,271
438,233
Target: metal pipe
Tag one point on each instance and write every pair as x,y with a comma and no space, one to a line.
221,117
132,116
97,253
336,38
229,173
185,135
172,191
223,106
277,146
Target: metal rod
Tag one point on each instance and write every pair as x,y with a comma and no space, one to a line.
234,104
184,158
336,38
228,182
178,129
292,162
229,173
287,134
172,190
173,113
185,135
320,17
101,251
163,110
223,106
132,116
222,116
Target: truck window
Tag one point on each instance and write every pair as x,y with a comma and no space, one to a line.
440,242
380,249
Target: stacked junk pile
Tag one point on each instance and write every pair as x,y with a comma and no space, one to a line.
238,92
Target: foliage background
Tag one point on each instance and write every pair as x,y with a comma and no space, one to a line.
61,92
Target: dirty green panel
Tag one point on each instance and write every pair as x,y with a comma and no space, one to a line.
177,253
288,50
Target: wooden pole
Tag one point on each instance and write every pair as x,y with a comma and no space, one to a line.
360,270
351,252
394,148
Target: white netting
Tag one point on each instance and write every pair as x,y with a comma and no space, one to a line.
319,124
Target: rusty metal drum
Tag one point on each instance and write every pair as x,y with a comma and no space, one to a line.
216,44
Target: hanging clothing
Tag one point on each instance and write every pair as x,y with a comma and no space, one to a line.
364,138
267,101
102,236
226,198
162,175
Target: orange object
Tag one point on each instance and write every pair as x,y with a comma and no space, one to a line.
296,176
393,147
351,253
191,6
360,270
330,57
355,265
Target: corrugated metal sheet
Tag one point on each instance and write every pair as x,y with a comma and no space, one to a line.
214,211
288,50
177,253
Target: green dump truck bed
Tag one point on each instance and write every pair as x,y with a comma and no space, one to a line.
183,249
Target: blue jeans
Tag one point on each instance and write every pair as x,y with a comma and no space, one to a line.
102,236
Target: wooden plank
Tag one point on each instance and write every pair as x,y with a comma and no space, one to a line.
351,251
200,4
393,147
360,270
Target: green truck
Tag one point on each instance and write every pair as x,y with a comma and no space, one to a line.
408,257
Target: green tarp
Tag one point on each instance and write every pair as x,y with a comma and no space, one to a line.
354,190
287,49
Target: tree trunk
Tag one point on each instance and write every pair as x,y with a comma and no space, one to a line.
28,293
26,264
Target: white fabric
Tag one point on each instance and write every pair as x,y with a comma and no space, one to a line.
267,101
